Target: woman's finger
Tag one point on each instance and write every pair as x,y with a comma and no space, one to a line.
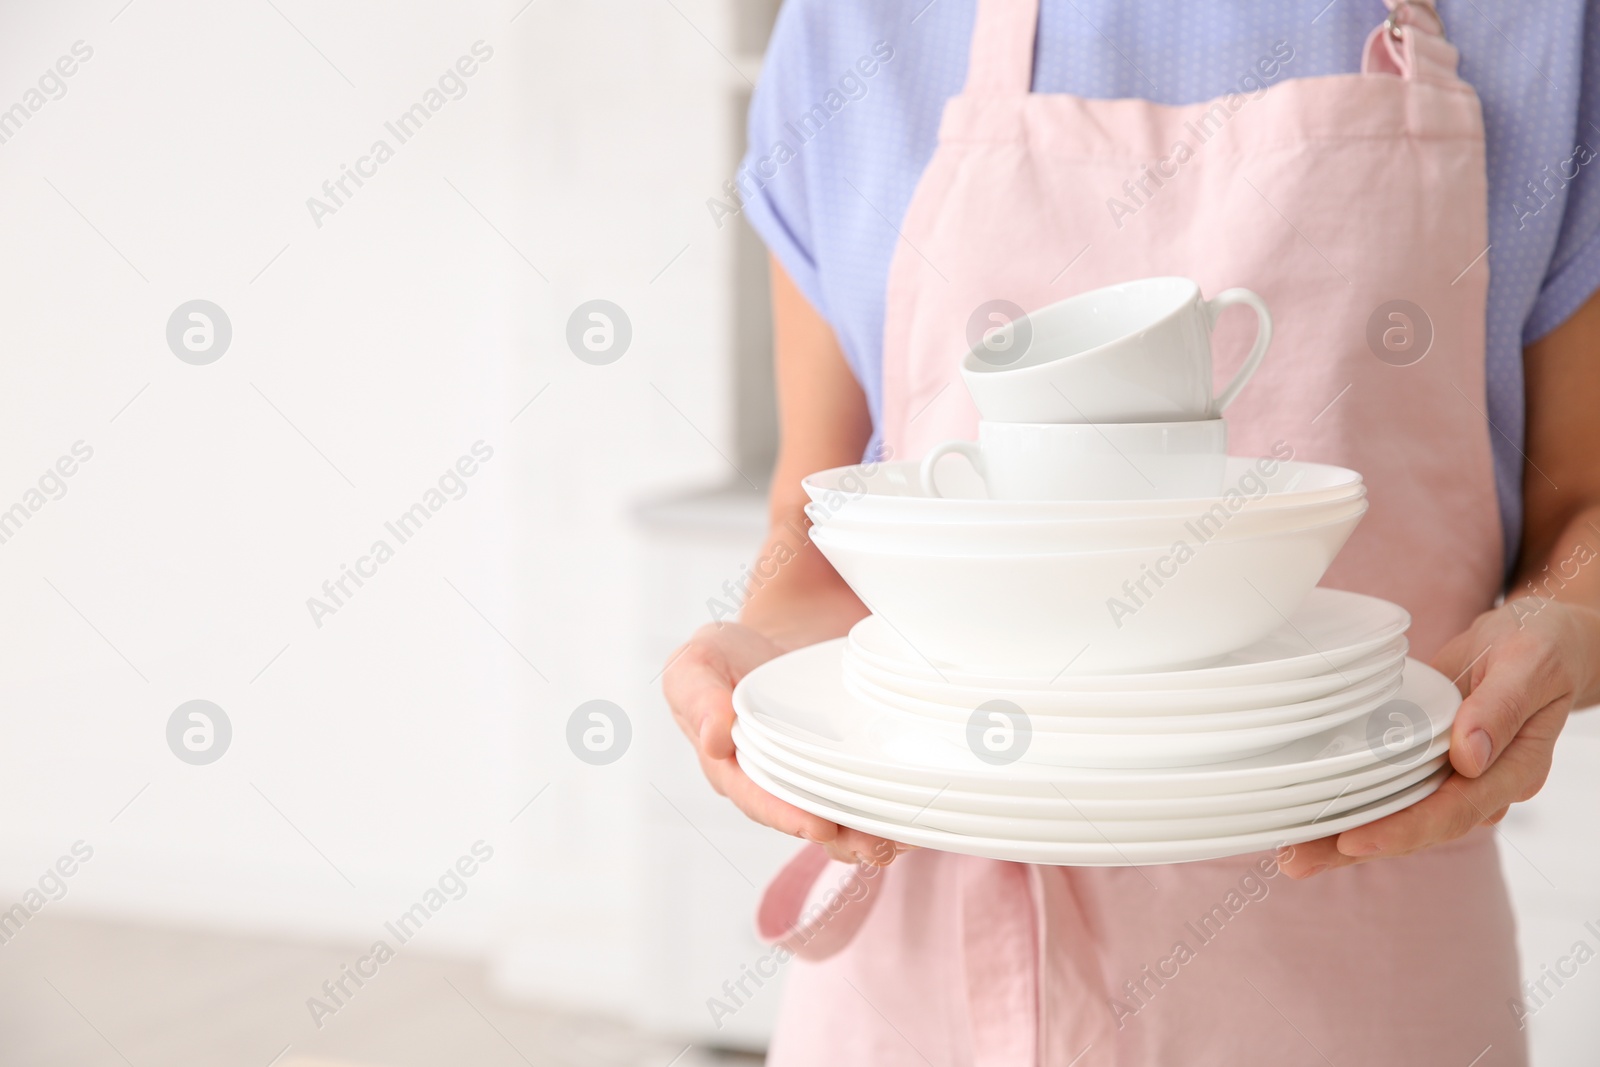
1520,678
730,780
700,692
1310,858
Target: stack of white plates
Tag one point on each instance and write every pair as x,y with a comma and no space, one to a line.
1193,747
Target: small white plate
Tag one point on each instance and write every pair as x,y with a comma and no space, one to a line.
1102,853
1081,827
1134,703
1047,801
1331,629
1048,715
799,706
1063,746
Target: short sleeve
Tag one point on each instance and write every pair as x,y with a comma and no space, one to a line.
771,181
1574,274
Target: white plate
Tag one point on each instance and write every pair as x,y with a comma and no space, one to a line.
800,709
1330,630
1076,715
1102,853
1137,703
1082,827
1048,801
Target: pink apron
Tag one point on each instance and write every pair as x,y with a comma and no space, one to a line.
1356,205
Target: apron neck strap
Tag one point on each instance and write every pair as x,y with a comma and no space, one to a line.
1411,43
1001,63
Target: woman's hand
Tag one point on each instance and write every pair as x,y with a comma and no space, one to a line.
699,686
1522,668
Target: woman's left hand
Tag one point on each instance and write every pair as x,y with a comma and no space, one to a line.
1520,667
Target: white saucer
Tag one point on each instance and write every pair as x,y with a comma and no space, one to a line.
1105,853
1331,629
798,703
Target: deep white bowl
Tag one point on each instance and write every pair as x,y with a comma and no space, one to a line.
892,492
1040,615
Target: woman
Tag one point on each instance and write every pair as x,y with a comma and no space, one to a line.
1431,283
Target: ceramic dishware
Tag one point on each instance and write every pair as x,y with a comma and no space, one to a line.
1133,609
798,703
1135,352
893,491
1116,461
1331,630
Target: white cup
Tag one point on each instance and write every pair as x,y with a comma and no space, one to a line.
1089,461
1136,352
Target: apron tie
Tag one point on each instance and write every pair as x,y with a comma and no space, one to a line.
812,916
1028,1005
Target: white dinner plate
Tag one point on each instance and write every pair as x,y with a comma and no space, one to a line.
1331,629
800,708
1100,853
1047,800
1081,827
1204,700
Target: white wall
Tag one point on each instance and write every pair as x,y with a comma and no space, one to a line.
366,358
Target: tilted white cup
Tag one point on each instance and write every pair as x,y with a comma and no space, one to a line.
1135,352
1089,461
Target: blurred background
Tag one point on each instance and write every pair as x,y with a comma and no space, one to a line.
387,394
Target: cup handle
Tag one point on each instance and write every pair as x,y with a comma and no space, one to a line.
1225,299
969,449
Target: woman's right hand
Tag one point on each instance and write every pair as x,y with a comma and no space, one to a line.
698,684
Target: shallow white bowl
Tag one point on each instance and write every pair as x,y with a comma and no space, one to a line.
1136,702
1041,615
1064,746
1332,630
892,491
1072,714
1217,523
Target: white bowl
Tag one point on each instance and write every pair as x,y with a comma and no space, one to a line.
1081,535
1041,615
893,492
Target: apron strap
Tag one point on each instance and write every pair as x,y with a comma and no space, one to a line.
812,916
1001,63
1411,43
